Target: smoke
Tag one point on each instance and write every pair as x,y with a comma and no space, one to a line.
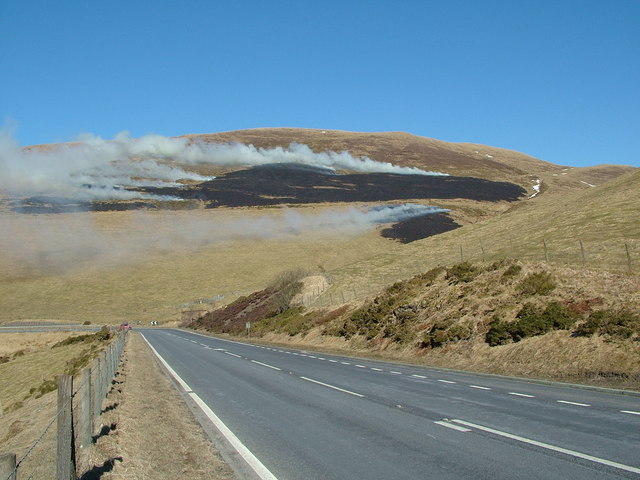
98,169
55,244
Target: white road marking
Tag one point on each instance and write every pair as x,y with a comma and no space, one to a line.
521,395
548,446
257,466
630,411
446,381
395,373
182,383
361,366
233,354
333,361
453,426
311,356
331,386
479,387
345,363
321,358
418,376
574,403
376,369
266,365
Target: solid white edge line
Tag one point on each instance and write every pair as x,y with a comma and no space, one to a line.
332,386
453,426
257,466
182,383
548,446
266,365
573,403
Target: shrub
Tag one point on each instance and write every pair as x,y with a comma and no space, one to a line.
445,331
4,359
498,333
614,323
539,283
530,321
512,271
462,272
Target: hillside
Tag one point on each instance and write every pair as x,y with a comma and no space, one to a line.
507,317
148,263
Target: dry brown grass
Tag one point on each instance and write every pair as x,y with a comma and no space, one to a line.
161,440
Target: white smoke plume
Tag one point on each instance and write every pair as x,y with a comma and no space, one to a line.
61,243
98,169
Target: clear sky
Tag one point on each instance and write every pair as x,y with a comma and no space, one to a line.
559,80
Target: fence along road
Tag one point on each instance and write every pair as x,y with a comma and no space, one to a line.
77,417
306,415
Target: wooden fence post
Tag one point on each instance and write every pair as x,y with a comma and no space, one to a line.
584,260
65,460
85,423
546,252
8,466
626,246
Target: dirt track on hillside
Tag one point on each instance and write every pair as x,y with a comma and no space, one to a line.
149,432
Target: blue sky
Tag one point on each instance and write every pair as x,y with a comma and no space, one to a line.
559,80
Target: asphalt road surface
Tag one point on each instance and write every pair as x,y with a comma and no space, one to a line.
306,415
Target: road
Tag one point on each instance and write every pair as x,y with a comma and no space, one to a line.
306,415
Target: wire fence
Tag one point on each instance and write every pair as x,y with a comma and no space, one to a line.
79,406
380,272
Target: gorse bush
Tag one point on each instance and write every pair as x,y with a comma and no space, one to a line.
614,323
530,321
391,314
539,283
463,272
443,332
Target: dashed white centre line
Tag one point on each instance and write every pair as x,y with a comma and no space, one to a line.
418,376
233,354
266,365
630,411
376,369
574,403
333,361
331,386
548,446
361,366
345,363
452,426
521,395
446,381
395,373
479,387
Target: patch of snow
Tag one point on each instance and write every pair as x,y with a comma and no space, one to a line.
582,181
536,188
488,156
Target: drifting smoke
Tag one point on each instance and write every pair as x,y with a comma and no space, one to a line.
97,169
61,243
